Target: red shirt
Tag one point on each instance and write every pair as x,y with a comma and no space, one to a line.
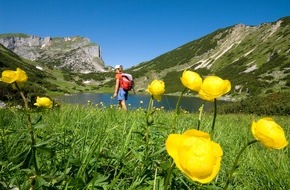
119,76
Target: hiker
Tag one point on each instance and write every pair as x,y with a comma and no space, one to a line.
121,94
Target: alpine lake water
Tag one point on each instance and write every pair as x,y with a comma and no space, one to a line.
135,101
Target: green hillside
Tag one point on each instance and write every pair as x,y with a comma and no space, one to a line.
256,59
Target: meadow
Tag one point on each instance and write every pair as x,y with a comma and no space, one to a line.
45,145
89,147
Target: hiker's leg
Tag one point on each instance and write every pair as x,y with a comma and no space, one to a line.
122,97
123,104
119,104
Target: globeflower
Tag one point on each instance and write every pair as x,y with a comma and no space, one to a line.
269,133
43,102
156,89
9,76
195,154
213,87
191,80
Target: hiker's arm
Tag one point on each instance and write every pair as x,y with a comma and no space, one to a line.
116,88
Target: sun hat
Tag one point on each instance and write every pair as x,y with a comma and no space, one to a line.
118,67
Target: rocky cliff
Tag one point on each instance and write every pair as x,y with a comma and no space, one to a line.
76,54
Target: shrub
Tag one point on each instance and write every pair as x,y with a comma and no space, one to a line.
271,104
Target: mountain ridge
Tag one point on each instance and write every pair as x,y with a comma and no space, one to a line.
76,54
251,57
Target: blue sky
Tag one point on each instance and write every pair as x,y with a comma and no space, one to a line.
133,31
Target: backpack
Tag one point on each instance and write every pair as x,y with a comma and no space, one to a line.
127,82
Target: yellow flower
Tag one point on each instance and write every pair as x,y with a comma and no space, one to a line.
43,102
213,87
191,80
9,76
269,133
156,89
21,75
195,154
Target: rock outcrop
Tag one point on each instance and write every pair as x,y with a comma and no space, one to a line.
76,54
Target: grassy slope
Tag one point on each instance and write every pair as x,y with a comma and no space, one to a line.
82,145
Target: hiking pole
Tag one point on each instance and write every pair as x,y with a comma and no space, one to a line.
134,90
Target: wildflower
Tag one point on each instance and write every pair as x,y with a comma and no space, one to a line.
213,87
195,154
269,133
43,102
156,89
9,76
191,80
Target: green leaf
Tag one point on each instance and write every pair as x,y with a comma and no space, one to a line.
34,122
41,144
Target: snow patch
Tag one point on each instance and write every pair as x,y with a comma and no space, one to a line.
67,39
250,69
39,68
203,63
43,45
246,54
87,82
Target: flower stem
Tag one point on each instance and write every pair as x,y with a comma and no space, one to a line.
169,170
168,175
148,122
236,162
178,102
177,111
199,118
214,118
31,131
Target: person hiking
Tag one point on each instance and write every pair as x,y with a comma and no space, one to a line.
121,94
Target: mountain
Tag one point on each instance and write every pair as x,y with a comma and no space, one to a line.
38,83
43,80
256,59
76,54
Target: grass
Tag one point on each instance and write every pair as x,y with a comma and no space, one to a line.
87,147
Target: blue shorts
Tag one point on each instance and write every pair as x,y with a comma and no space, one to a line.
122,94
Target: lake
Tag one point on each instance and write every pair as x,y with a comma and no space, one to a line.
190,104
